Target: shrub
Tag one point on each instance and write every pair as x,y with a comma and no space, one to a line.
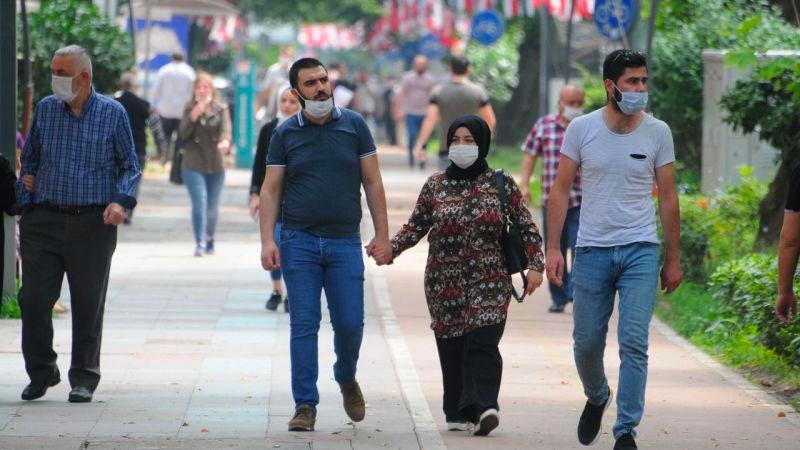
745,289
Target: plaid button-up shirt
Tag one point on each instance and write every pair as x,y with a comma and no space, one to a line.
80,161
544,141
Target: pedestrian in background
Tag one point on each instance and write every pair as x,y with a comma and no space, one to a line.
206,132
467,285
620,152
544,141
414,94
454,98
140,116
79,175
174,88
287,106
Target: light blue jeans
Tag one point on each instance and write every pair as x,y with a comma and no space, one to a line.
600,273
562,295
204,191
310,264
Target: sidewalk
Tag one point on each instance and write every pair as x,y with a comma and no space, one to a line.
192,360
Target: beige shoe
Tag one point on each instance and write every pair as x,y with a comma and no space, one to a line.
353,401
304,419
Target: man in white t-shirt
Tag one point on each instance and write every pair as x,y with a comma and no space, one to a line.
620,152
174,88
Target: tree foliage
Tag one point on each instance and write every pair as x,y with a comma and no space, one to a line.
64,22
685,29
309,11
495,66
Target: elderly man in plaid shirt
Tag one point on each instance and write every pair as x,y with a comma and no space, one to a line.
544,141
79,176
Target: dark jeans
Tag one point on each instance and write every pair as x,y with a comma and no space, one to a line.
52,244
471,372
170,126
561,295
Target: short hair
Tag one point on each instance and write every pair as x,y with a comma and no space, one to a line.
459,64
617,61
300,64
82,59
127,81
177,56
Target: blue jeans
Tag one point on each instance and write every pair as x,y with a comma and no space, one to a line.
413,125
599,273
310,264
569,236
204,191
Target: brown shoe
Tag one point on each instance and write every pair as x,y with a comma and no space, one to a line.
304,419
353,401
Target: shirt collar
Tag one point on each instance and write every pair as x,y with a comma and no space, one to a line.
336,114
89,102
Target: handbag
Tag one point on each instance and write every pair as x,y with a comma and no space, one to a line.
511,238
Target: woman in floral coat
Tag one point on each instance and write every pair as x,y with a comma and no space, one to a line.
466,283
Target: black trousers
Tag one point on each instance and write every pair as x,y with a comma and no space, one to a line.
472,369
52,244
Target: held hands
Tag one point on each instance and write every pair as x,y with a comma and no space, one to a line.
380,249
114,214
786,307
270,256
534,281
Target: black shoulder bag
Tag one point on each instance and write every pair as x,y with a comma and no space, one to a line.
511,238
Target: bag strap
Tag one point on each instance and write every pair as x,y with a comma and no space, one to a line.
500,181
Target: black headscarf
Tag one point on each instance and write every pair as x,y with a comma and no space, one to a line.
482,134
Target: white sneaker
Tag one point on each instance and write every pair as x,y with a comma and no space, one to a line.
459,426
487,422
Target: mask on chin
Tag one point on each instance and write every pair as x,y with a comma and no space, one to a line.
62,88
316,109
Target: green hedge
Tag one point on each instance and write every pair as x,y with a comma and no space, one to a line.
745,289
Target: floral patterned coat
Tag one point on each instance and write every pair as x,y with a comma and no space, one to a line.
466,282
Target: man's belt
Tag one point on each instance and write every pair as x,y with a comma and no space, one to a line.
69,210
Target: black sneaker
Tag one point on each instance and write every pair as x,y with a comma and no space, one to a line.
591,421
274,301
286,304
625,442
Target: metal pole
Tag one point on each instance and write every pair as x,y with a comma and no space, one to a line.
8,125
147,24
132,25
544,60
27,99
651,28
568,49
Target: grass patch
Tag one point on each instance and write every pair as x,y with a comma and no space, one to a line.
694,314
510,159
10,306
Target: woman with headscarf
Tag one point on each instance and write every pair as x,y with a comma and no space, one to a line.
467,286
286,105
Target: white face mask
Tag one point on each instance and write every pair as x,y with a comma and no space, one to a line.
463,155
317,109
571,113
62,88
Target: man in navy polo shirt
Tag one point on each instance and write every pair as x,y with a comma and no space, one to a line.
317,162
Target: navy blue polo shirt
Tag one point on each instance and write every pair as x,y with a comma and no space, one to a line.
322,183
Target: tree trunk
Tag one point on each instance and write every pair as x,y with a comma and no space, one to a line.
770,212
516,117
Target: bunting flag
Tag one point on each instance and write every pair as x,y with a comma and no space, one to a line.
328,36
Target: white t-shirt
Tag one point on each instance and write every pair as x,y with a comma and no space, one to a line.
617,176
174,88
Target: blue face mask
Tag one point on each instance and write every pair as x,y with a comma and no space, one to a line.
631,102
